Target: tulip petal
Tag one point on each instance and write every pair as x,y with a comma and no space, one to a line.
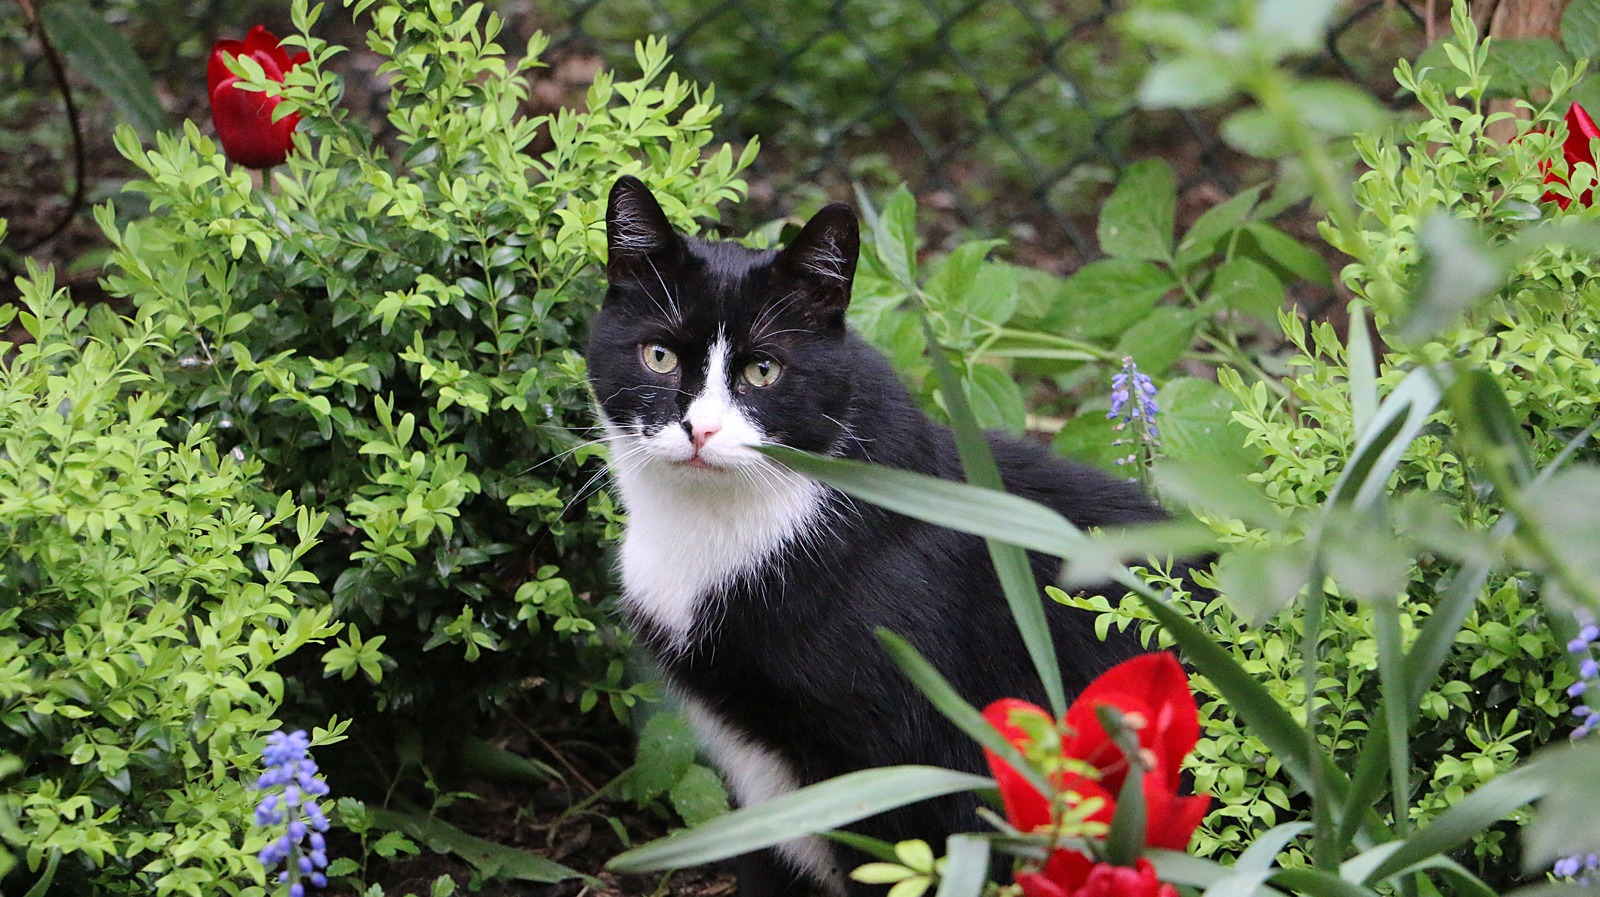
243,118
1025,807
245,127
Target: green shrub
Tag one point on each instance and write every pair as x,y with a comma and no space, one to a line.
1012,86
145,602
392,329
1501,692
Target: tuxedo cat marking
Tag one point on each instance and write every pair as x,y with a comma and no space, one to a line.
758,589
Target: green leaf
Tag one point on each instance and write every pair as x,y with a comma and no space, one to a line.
666,751
949,702
1259,581
1379,449
1184,83
1465,818
1108,552
1196,422
698,797
1244,285
1523,65
996,399
895,237
816,808
1363,370
1125,839
966,868
1201,240
1457,270
1286,255
487,857
1254,132
1292,26
1106,297
960,506
1337,108
1159,339
1260,712
1136,221
1088,438
1217,488
1580,29
1011,563
99,52
1486,420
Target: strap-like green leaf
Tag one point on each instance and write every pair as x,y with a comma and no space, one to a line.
99,52
966,868
959,506
1263,716
953,706
489,858
1378,449
1010,561
813,809
1125,841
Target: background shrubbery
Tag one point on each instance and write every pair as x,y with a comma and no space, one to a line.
336,456
150,607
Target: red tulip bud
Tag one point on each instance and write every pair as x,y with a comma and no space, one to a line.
244,118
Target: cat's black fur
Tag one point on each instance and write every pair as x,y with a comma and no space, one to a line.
786,653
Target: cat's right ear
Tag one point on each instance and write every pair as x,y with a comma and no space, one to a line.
637,230
822,258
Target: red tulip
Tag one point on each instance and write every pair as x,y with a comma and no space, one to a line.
1152,692
1071,874
244,118
1580,130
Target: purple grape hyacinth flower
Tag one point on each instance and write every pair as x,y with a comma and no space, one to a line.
290,788
1133,399
1583,869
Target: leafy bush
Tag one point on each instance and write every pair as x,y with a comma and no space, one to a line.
146,605
393,334
1501,692
1020,78
1397,570
1028,341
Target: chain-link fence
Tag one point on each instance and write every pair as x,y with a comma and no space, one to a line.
1009,117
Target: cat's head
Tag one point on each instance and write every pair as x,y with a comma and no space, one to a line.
704,350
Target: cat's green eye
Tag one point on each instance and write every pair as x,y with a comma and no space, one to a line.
659,358
762,373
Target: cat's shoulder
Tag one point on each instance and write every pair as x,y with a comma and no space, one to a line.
1083,493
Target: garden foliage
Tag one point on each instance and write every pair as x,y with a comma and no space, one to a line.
1400,559
148,602
1501,693
389,325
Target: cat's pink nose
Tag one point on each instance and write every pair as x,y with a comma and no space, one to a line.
700,431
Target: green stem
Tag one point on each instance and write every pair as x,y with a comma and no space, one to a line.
1270,89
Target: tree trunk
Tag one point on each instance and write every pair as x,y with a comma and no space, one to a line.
1515,19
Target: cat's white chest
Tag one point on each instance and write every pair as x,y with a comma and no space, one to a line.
688,535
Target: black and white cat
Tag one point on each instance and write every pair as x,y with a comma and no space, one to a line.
758,589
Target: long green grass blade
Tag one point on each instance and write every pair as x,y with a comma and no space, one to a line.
99,52
1010,561
816,808
947,701
966,868
959,506
1472,814
1378,450
487,857
1262,714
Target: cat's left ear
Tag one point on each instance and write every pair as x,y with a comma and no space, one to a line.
823,258
637,230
